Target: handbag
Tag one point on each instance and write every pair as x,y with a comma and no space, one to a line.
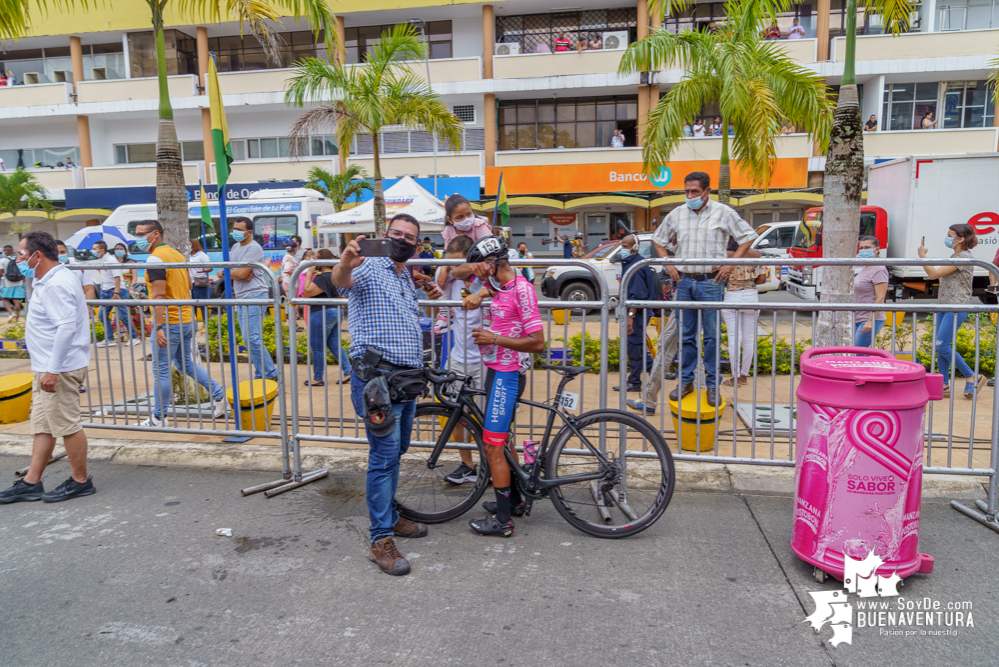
200,280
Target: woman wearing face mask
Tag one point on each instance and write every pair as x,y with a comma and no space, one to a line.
12,293
741,324
459,220
869,286
955,289
136,290
524,253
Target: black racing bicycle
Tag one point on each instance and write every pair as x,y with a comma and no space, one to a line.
608,472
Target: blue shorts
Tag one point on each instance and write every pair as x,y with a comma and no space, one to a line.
504,388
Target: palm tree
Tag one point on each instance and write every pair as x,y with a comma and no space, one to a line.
365,99
21,191
844,174
171,199
757,87
339,187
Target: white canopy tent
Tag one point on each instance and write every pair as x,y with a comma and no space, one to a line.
406,196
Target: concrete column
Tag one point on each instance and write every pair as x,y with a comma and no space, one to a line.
642,21
488,39
76,55
489,120
648,98
83,136
641,219
206,114
822,30
340,54
874,93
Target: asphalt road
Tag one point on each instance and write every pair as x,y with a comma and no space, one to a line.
135,575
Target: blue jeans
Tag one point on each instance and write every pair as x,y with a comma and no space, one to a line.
180,342
947,324
325,335
202,293
251,320
699,290
384,454
638,353
861,339
123,315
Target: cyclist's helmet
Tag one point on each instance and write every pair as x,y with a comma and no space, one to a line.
488,249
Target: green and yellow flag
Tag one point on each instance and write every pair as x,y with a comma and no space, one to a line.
501,206
206,214
220,131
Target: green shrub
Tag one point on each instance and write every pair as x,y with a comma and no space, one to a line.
965,346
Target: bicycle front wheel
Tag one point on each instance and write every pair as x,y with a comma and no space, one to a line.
423,493
636,484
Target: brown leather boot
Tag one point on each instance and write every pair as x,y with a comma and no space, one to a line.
406,528
388,558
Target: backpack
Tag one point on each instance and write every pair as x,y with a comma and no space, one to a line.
12,273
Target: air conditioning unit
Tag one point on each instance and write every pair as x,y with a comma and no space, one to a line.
98,73
59,76
31,78
615,40
507,49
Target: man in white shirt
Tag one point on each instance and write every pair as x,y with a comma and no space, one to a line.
700,229
617,141
699,128
113,287
796,31
58,339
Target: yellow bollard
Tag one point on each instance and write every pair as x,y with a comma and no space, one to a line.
15,397
709,418
256,404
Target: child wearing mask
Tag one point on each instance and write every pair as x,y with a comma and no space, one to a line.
460,220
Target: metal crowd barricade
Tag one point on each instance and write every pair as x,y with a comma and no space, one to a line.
311,416
119,393
988,509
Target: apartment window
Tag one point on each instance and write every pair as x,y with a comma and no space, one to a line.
417,141
54,65
181,53
464,112
905,104
536,33
968,104
280,147
966,15
190,151
239,54
698,16
566,123
358,41
38,157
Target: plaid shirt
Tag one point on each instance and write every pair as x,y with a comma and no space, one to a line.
384,313
703,236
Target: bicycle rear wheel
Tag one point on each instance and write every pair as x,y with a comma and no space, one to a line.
629,498
423,494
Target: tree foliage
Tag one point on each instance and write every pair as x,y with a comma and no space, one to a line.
352,182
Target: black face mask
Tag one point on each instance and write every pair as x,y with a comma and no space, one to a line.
400,250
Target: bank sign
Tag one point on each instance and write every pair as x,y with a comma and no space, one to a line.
629,177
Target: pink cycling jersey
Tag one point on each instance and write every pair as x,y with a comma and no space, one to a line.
514,314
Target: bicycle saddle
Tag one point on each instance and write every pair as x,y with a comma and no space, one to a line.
570,371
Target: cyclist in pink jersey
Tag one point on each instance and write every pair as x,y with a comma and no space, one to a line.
510,325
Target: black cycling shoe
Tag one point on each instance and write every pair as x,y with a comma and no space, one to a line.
22,492
490,526
516,510
70,489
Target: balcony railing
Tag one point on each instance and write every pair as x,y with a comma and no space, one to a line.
462,164
921,45
35,95
146,88
131,175
567,63
930,142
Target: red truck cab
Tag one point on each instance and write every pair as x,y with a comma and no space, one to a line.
804,281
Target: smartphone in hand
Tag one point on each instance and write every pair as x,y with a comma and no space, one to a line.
375,247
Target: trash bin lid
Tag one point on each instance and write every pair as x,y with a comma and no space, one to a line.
262,391
688,406
18,383
879,366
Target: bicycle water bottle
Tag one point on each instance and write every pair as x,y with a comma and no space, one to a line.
488,351
530,448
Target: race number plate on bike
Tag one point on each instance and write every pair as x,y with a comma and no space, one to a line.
569,401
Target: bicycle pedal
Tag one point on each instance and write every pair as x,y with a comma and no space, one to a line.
528,503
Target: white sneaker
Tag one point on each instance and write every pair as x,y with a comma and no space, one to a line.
153,421
135,341
107,343
221,408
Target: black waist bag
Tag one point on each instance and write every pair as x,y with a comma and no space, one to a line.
406,384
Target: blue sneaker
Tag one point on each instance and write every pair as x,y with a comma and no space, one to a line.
641,407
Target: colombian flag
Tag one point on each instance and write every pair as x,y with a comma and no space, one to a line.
220,131
501,206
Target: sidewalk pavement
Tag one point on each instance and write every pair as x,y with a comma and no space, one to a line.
136,575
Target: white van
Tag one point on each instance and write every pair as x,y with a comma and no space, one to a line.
774,240
277,215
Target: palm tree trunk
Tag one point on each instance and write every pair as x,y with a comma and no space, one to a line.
171,197
724,170
842,185
379,192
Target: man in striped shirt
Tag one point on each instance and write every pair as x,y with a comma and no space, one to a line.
700,230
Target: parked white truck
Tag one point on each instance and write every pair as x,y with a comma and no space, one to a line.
917,196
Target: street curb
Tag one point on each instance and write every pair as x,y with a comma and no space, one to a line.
690,475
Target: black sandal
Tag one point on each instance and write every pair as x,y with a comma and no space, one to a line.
490,526
317,383
344,380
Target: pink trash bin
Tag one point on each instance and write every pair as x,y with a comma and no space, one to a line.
858,475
